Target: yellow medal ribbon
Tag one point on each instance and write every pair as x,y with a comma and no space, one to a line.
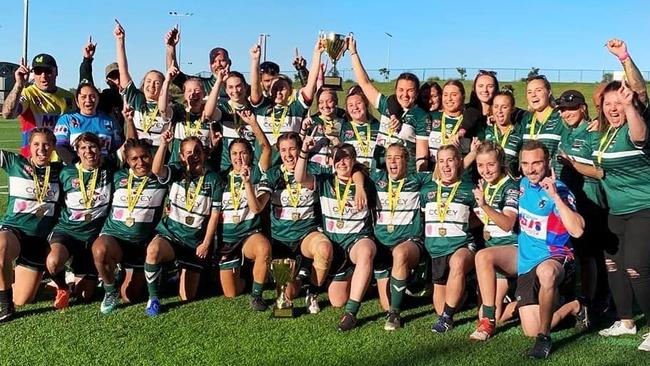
189,129
605,141
443,129
328,124
442,207
131,198
190,199
87,194
533,134
148,119
365,147
489,199
341,201
393,196
292,189
41,190
504,138
276,124
236,193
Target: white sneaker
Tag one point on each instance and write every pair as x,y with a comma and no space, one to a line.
645,345
312,304
618,329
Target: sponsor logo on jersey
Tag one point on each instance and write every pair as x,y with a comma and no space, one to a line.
382,183
74,122
435,123
541,203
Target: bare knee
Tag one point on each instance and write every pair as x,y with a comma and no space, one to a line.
400,257
99,251
483,258
153,252
547,276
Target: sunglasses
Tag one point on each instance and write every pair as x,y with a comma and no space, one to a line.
486,72
42,70
568,98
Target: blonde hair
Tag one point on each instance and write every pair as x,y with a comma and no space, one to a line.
457,156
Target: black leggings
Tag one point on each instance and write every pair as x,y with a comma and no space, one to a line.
629,265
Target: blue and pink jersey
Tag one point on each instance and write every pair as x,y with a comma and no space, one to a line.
541,232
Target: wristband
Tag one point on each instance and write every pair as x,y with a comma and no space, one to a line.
420,159
624,57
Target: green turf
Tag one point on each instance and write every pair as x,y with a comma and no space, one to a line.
220,331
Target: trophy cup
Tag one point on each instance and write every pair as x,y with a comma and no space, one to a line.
283,272
335,45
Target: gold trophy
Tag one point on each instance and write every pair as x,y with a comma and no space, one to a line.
283,272
335,46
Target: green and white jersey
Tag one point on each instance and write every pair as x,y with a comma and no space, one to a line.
443,238
238,223
322,143
76,220
578,144
232,127
24,212
435,132
510,141
365,143
627,171
548,132
187,124
275,120
293,213
404,222
415,122
185,224
146,116
505,198
343,227
146,213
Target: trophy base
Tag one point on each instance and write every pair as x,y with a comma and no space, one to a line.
333,82
282,312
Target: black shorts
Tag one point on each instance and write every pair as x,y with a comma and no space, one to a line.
383,262
440,265
185,255
528,283
33,250
133,253
82,263
342,266
284,249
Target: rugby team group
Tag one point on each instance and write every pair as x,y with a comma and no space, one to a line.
115,185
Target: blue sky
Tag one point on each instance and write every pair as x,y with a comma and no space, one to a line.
507,33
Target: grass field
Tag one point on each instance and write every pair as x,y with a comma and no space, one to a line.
219,331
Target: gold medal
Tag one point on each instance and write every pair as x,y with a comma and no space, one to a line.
340,224
443,129
390,228
486,235
88,217
442,231
130,221
341,201
132,198
236,219
189,220
393,200
442,206
276,123
364,146
40,212
295,216
294,193
40,191
191,197
545,114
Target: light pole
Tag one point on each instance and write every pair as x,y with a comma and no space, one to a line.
263,38
179,15
390,36
25,29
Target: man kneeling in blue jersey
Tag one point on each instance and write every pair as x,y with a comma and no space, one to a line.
547,217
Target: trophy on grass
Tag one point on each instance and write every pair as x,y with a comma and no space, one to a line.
335,46
283,272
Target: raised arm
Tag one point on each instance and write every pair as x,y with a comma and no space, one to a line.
638,127
300,171
254,203
265,156
86,67
210,110
171,40
163,99
158,167
505,220
256,85
360,73
120,50
21,74
619,49
309,90
572,221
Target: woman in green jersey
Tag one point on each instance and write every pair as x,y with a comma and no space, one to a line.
187,232
239,232
448,203
347,225
446,125
361,129
497,205
31,213
623,155
327,123
86,189
136,208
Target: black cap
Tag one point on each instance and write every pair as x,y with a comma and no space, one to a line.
570,99
44,60
269,67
